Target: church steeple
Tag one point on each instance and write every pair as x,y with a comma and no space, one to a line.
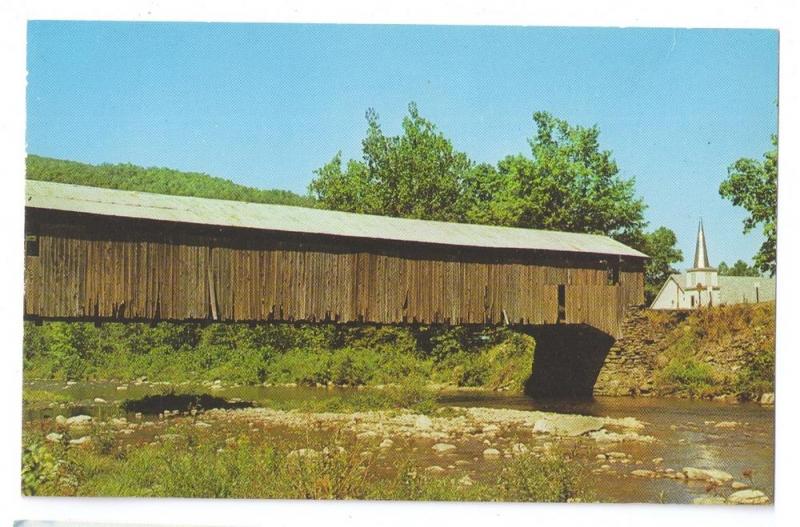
700,251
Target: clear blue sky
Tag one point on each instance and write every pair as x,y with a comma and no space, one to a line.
264,105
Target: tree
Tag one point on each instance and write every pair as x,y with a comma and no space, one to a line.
568,184
157,180
753,185
740,268
660,245
414,175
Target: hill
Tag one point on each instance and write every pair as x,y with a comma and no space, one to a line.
126,176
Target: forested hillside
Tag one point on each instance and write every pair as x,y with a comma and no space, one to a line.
125,176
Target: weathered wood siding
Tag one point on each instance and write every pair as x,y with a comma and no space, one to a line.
96,269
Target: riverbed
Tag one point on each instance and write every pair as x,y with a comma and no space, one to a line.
637,455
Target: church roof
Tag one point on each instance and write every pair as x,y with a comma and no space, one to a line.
738,289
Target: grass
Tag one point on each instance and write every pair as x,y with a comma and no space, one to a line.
243,469
702,349
33,397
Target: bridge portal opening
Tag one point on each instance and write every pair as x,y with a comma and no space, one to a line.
566,360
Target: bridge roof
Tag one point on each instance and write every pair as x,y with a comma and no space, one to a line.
203,211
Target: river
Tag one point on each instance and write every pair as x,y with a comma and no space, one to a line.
737,438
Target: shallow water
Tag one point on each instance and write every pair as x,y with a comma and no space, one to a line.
686,432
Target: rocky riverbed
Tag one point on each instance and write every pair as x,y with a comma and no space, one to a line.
634,450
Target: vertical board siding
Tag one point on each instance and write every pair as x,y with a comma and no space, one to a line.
193,278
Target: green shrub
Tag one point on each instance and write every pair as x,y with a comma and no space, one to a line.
301,366
554,478
757,376
40,469
688,374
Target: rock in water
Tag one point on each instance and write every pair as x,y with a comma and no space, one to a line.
738,485
705,474
641,473
748,497
441,448
568,425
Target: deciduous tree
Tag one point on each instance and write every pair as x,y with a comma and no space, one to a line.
753,185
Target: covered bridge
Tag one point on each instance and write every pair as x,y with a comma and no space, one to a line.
100,254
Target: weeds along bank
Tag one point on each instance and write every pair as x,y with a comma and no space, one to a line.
725,350
222,464
494,358
711,352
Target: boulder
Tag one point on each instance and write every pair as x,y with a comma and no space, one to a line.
99,400
767,398
434,469
519,449
738,485
78,420
641,473
80,441
423,422
303,452
748,497
61,420
726,424
466,481
704,474
55,437
568,425
441,448
491,453
386,443
709,500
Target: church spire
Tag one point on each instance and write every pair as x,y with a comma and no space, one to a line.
700,251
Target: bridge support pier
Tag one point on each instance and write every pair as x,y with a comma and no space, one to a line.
567,360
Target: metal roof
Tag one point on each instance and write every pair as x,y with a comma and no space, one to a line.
739,289
182,209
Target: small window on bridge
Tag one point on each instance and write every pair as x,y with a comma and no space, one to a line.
31,245
562,303
613,272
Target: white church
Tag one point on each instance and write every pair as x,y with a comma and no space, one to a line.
702,286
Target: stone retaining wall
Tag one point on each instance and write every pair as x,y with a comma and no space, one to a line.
631,361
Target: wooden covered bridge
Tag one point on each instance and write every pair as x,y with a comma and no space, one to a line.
110,255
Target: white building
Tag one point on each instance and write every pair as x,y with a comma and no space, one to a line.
702,286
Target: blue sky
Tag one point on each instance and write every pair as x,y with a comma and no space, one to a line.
266,104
